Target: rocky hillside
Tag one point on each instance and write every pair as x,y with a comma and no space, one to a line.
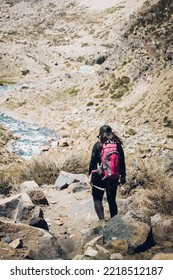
73,66
86,65
82,64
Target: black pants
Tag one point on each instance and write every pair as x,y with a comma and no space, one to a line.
111,190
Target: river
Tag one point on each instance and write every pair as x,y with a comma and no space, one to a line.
32,138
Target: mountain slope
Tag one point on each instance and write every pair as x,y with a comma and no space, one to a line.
85,64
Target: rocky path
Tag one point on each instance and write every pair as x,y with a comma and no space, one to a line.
69,216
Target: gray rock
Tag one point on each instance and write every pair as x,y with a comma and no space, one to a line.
16,206
39,222
97,240
78,187
41,242
65,179
28,186
90,235
17,243
134,232
38,197
116,256
20,209
90,252
7,239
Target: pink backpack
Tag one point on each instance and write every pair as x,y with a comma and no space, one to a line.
110,160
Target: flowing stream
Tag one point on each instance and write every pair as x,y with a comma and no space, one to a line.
32,137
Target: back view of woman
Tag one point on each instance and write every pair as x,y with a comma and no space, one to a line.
99,185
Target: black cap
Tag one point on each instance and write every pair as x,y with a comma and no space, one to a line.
105,128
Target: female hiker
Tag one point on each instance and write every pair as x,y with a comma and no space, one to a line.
104,180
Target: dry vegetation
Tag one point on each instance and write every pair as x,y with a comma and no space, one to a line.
151,185
149,182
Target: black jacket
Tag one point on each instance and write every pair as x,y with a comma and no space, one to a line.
96,158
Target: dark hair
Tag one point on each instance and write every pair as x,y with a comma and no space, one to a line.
105,128
105,134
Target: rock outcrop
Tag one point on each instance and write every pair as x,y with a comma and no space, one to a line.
43,245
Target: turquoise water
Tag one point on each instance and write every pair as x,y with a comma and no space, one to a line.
32,137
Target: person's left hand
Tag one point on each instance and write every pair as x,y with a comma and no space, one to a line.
89,179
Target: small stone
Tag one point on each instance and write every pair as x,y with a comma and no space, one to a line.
102,249
116,256
17,243
29,254
96,240
163,256
7,239
59,222
90,252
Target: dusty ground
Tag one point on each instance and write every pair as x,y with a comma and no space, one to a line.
68,219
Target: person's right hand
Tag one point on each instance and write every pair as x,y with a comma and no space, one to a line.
123,180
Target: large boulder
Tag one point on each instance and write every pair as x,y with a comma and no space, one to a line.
32,189
43,245
38,197
136,234
66,178
20,209
16,208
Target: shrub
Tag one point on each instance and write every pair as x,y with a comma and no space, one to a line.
73,91
131,131
161,197
75,163
5,184
41,170
149,179
167,122
90,103
169,169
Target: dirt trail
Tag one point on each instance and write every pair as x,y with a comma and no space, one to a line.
69,216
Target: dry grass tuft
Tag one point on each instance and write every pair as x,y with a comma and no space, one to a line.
169,169
156,186
5,183
75,162
41,170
